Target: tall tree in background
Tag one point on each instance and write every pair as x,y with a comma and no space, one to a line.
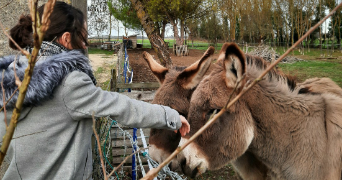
152,33
99,18
123,11
176,12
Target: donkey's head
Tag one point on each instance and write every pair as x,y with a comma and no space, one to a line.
176,87
230,136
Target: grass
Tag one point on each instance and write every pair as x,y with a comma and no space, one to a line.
314,68
99,51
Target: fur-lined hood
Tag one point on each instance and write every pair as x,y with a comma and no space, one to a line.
48,73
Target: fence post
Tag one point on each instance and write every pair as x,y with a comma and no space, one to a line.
120,54
113,80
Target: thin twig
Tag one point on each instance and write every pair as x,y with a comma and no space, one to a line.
45,50
27,135
17,80
6,4
153,173
10,38
99,147
235,88
117,167
4,97
37,40
9,98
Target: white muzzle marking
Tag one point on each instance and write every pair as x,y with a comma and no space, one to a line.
195,158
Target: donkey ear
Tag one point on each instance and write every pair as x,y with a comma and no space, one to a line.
234,63
192,75
158,70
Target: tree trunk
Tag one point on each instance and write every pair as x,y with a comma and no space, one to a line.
182,31
156,41
175,30
110,26
162,34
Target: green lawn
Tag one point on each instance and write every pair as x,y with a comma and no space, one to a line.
314,68
99,51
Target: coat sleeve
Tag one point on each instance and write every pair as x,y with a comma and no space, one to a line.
81,98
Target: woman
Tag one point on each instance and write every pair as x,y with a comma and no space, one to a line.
52,139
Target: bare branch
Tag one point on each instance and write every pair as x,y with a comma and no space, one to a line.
9,98
4,97
117,167
10,38
99,147
37,39
27,135
6,4
151,174
17,80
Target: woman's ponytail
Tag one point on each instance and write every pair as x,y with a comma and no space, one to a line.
22,32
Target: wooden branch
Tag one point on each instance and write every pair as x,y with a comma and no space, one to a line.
117,167
17,80
38,38
6,4
153,173
10,38
4,97
9,98
99,148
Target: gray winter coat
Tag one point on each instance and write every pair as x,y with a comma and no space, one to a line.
53,135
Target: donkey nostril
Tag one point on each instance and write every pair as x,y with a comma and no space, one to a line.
194,172
170,165
183,164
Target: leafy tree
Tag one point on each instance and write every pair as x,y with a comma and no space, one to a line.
152,32
176,12
98,16
123,11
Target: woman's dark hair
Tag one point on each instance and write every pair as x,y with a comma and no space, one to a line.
64,18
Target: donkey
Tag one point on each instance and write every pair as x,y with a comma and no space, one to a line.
176,93
176,87
295,131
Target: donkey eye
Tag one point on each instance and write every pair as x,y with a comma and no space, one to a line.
212,111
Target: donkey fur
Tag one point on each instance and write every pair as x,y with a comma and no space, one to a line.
294,130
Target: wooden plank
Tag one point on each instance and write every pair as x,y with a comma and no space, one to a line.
128,169
138,85
121,151
118,134
121,143
117,160
147,96
113,80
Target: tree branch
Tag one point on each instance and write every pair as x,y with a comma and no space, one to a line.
4,97
99,148
117,167
10,38
38,35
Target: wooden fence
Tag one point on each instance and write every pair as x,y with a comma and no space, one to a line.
121,146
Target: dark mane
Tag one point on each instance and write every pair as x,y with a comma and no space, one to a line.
261,64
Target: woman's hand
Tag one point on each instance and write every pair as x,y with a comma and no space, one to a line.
185,128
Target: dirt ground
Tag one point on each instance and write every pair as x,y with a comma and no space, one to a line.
141,70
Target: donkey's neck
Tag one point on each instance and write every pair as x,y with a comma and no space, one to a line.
284,122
